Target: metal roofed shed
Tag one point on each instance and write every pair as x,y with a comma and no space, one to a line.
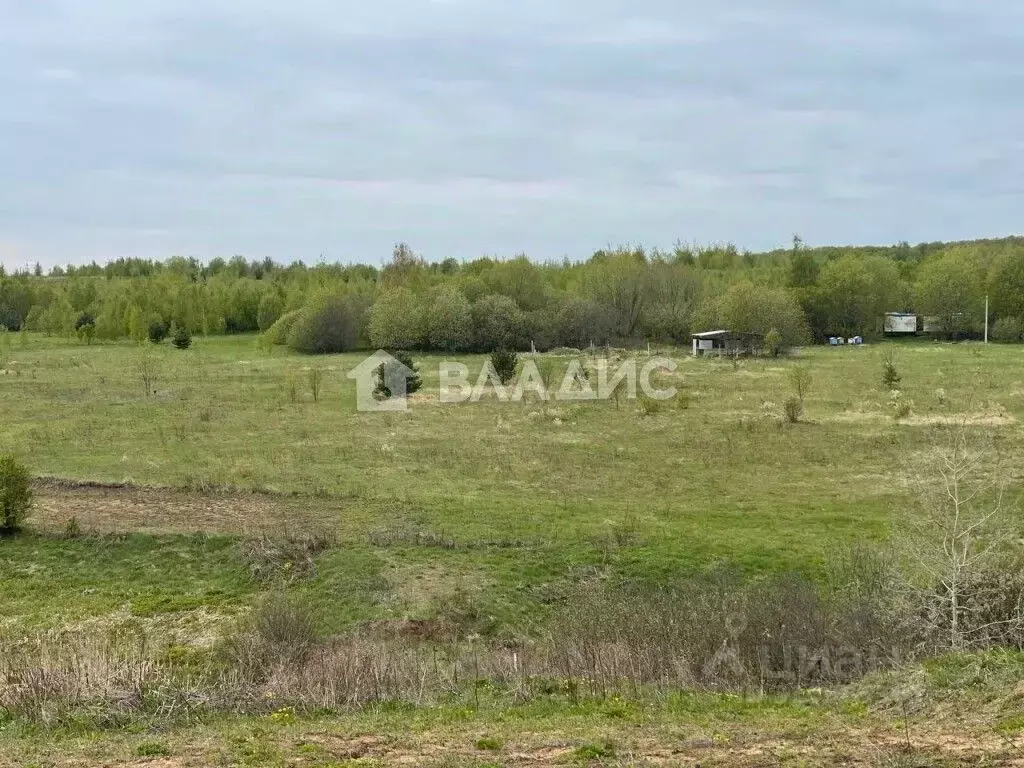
900,324
725,342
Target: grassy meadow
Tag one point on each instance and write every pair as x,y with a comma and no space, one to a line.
488,512
502,502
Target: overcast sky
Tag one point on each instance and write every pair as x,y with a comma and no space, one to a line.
472,127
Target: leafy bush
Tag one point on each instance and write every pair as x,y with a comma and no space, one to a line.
396,320
157,331
801,379
549,370
1008,329
391,371
85,327
579,323
270,308
278,332
449,320
505,362
15,494
499,323
749,308
10,319
327,326
181,338
773,343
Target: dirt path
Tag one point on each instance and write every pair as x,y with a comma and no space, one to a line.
657,745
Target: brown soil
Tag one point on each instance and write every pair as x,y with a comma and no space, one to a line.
943,746
139,509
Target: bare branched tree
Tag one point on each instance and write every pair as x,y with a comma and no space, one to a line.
955,537
147,365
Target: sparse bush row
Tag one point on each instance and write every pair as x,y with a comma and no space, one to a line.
716,632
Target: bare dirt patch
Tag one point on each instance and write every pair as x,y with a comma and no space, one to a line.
745,748
139,509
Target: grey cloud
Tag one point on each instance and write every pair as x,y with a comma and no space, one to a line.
471,127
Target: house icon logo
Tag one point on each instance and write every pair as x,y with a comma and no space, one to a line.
381,390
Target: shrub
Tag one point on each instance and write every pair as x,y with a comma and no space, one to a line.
270,308
800,378
648,406
85,327
578,323
504,362
548,371
794,409
316,380
278,332
890,376
291,387
280,629
1008,329
499,323
288,559
181,338
147,367
396,320
327,326
391,371
449,320
157,331
72,528
901,407
749,308
773,342
15,494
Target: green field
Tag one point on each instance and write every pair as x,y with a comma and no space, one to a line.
529,494
489,514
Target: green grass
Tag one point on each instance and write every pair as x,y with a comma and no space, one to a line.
554,733
531,500
490,513
48,582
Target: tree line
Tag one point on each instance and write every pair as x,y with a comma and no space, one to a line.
623,296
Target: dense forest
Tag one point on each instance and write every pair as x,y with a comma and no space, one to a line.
622,296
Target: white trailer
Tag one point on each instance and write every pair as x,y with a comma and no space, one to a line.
900,323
